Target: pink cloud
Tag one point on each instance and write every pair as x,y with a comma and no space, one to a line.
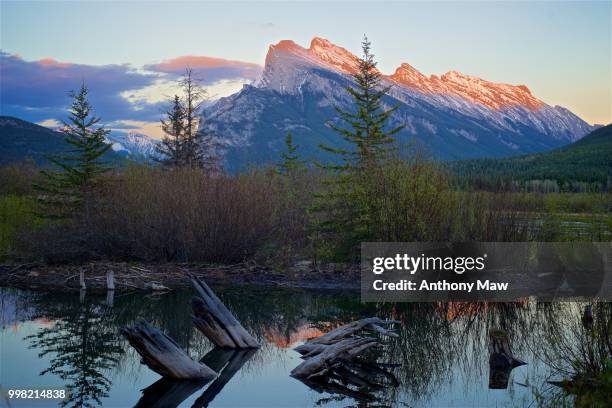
193,61
54,63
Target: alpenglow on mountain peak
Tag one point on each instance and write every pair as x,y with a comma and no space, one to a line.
324,53
454,115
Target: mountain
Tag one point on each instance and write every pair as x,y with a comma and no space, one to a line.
454,116
587,160
136,146
23,140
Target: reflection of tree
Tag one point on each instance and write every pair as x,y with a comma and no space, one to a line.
84,345
439,342
575,342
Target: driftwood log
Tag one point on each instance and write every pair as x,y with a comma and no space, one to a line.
215,321
162,355
331,361
373,324
501,360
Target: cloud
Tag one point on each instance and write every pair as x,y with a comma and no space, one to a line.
162,89
50,123
38,90
208,69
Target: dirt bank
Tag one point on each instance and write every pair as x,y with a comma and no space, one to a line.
139,276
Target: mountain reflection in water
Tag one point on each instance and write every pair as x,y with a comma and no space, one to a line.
440,358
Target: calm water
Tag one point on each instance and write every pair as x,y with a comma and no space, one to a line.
57,340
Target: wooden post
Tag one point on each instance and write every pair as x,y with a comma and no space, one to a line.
162,355
110,298
82,279
110,280
501,360
216,322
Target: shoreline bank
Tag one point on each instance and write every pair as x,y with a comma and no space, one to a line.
168,276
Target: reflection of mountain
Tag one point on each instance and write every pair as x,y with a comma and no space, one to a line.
290,337
454,115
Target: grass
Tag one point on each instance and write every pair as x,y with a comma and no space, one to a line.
16,216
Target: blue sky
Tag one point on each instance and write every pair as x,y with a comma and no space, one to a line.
560,50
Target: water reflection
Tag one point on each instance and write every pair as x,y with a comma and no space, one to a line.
440,358
83,347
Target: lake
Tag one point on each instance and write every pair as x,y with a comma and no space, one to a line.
58,340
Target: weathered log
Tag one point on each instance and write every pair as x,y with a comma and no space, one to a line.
327,355
215,320
331,365
313,347
162,355
501,360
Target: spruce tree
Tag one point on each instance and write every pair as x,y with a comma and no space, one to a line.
291,162
366,131
171,147
348,208
62,191
200,147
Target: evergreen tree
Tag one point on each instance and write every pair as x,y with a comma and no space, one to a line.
291,162
199,145
171,147
348,209
366,134
62,191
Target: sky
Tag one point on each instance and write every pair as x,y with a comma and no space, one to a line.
130,53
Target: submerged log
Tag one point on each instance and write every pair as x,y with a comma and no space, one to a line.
315,346
162,355
501,360
339,346
320,361
331,362
216,322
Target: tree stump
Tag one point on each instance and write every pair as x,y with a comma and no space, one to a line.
162,355
215,321
501,360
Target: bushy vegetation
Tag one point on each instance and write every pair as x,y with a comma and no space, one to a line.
158,214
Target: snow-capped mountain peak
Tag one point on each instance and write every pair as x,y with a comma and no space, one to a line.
454,114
